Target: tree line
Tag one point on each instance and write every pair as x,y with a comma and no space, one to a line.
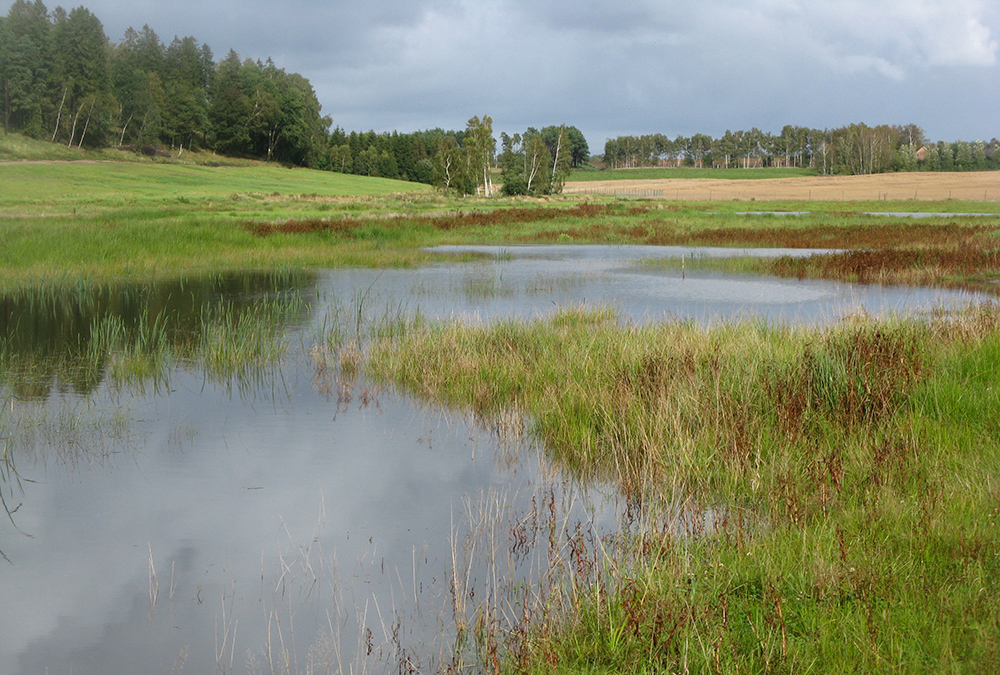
535,162
853,149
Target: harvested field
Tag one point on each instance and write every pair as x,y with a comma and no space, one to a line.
937,186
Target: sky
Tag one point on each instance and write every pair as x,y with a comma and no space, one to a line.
676,67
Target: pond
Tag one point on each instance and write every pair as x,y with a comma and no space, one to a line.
172,509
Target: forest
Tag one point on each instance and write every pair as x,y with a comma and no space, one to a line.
62,80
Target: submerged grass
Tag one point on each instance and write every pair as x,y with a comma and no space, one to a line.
73,338
850,473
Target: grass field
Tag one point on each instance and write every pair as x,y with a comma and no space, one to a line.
759,185
18,148
118,184
105,220
15,147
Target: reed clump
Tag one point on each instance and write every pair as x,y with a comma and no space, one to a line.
812,499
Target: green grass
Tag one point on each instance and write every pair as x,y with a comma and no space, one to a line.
81,185
18,148
852,470
687,172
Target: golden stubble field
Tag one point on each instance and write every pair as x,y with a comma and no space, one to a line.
937,186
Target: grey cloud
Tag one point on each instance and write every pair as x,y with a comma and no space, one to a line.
611,68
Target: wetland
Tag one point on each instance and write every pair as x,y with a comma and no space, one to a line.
408,433
213,465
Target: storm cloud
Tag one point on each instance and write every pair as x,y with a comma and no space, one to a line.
612,68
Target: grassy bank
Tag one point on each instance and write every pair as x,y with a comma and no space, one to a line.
837,489
957,253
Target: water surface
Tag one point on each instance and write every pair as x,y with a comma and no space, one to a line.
212,521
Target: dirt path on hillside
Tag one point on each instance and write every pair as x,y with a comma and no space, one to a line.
6,162
970,186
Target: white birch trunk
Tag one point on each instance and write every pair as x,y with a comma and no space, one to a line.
72,133
86,126
121,140
59,116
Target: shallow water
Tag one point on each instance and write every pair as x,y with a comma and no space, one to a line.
200,524
529,281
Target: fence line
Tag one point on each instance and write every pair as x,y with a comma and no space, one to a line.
821,194
618,192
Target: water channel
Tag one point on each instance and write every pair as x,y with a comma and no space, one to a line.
292,519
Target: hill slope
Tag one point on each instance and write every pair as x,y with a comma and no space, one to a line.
36,171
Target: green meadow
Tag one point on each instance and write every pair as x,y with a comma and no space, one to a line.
113,220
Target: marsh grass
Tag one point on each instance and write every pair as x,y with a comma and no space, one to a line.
138,357
10,480
72,358
964,266
245,345
839,485
487,285
969,268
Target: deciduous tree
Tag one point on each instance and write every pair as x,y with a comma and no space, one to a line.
480,151
451,168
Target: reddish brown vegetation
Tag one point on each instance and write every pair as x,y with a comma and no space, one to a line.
446,221
867,236
879,266
856,378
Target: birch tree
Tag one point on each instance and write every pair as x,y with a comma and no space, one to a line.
451,167
480,150
557,142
